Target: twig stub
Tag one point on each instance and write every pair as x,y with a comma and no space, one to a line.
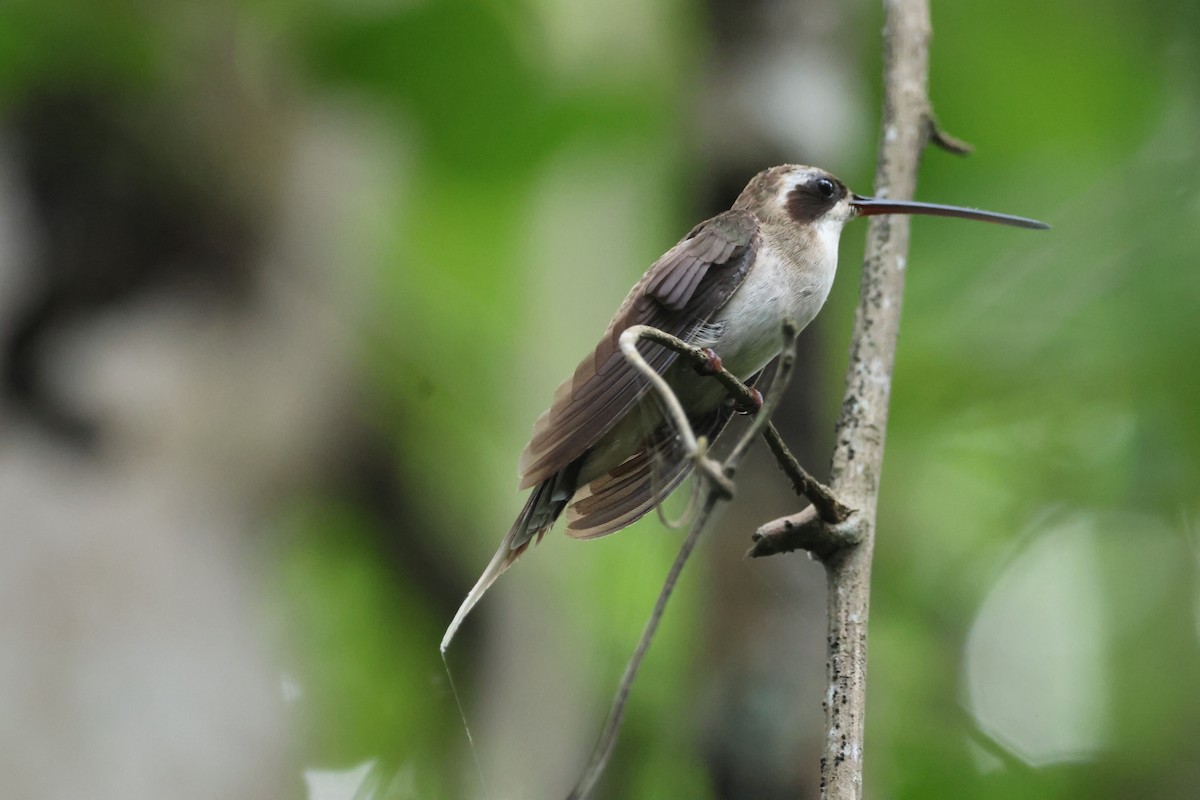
951,144
805,531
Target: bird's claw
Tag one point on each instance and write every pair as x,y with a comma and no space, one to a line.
751,405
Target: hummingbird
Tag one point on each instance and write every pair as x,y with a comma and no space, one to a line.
604,452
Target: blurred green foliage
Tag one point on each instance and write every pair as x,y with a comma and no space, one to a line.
1042,380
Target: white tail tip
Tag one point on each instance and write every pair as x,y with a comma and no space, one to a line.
493,571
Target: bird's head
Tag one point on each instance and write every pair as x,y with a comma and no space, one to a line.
809,196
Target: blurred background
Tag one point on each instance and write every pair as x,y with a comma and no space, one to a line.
283,287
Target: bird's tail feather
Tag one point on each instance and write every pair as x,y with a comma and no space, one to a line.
541,510
499,563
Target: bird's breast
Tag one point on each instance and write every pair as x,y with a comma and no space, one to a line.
748,330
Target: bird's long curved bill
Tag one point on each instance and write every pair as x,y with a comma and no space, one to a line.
868,206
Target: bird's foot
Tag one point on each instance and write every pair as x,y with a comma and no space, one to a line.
713,365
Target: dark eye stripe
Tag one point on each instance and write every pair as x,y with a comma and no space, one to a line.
807,202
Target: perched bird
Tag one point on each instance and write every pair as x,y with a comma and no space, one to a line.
603,451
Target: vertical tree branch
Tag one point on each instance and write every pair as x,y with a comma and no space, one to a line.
858,457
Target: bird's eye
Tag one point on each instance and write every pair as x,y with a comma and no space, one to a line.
825,187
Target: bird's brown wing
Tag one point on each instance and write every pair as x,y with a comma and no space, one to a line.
681,291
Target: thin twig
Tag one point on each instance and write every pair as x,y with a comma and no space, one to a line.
696,449
762,418
612,726
721,478
805,485
628,343
699,359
